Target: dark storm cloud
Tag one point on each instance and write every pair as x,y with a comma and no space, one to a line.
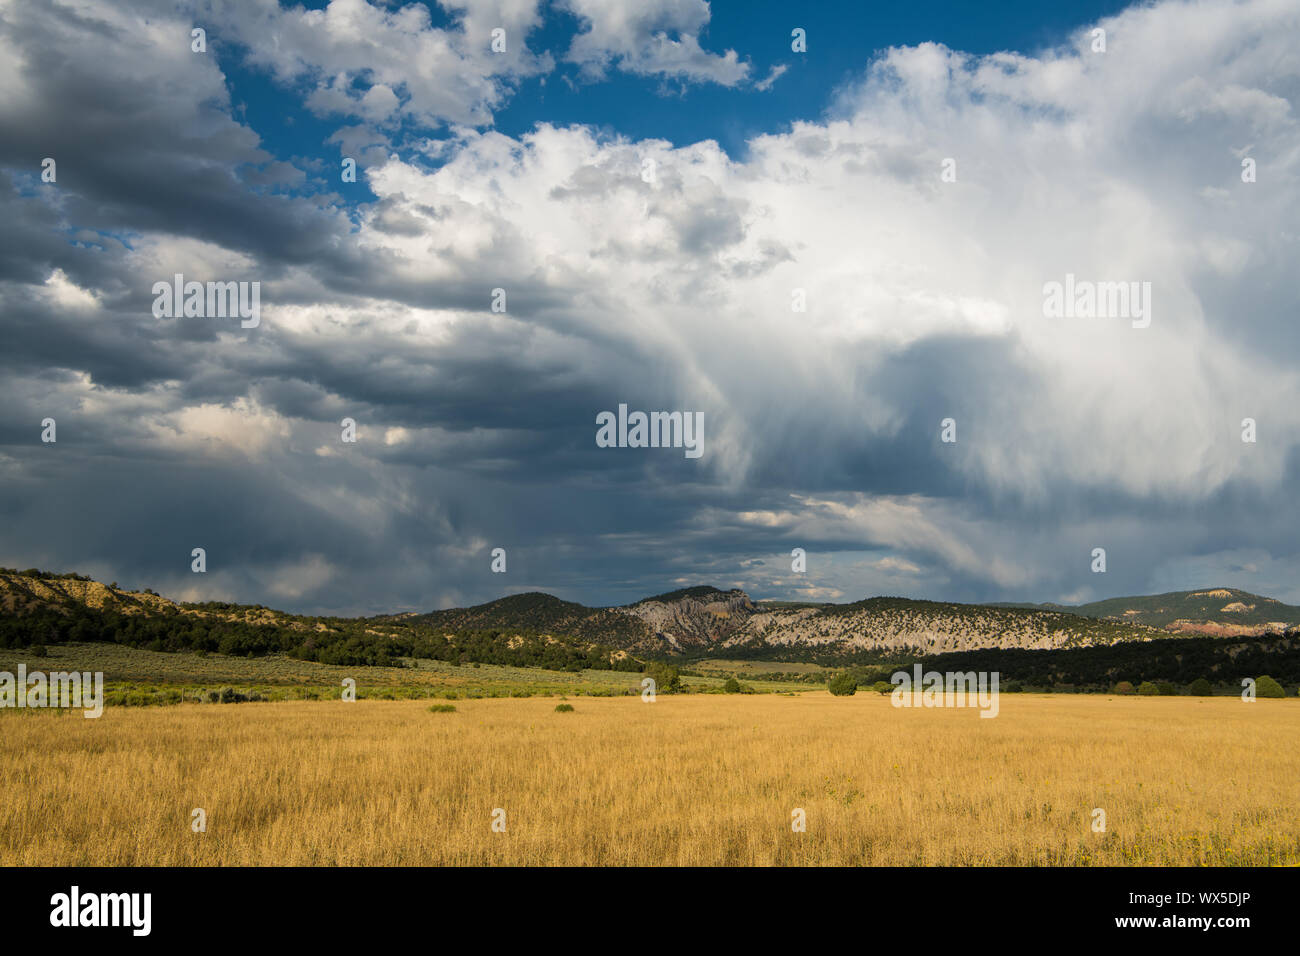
477,428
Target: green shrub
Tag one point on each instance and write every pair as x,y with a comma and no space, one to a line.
1201,688
843,684
564,708
228,695
1125,687
442,709
732,686
668,679
883,687
1267,687
1148,689
1167,689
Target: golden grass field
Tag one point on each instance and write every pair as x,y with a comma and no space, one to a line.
700,779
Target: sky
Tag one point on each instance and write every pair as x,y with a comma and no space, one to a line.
831,235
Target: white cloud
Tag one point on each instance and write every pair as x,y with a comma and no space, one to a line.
293,580
376,64
66,294
1066,163
651,38
242,427
924,298
773,75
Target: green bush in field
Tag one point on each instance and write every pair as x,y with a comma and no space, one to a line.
442,708
668,680
843,684
1267,687
564,708
1201,688
732,686
1167,689
1148,689
228,695
883,687
1125,687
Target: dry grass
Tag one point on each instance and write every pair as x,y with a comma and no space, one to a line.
686,780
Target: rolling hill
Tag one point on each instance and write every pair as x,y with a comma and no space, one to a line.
43,607
1218,612
703,618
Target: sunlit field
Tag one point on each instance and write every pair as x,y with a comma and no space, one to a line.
700,779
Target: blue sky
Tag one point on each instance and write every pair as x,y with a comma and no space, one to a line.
842,37
825,262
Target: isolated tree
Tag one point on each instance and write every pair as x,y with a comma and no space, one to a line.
843,684
732,686
1201,688
667,678
1267,687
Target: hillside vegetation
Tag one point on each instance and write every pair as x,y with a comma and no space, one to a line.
1215,611
540,630
44,609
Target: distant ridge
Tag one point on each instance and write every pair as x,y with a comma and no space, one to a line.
1221,612
694,620
699,591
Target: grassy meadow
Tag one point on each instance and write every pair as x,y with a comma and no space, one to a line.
134,676
689,779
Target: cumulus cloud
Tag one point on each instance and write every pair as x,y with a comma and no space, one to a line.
651,38
922,300
383,65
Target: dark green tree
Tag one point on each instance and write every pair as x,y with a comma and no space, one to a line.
668,680
843,684
1267,687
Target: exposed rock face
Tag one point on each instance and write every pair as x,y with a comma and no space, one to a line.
705,618
21,594
694,621
691,620
1215,629
932,628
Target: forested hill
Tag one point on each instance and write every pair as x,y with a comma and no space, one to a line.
1215,611
41,607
